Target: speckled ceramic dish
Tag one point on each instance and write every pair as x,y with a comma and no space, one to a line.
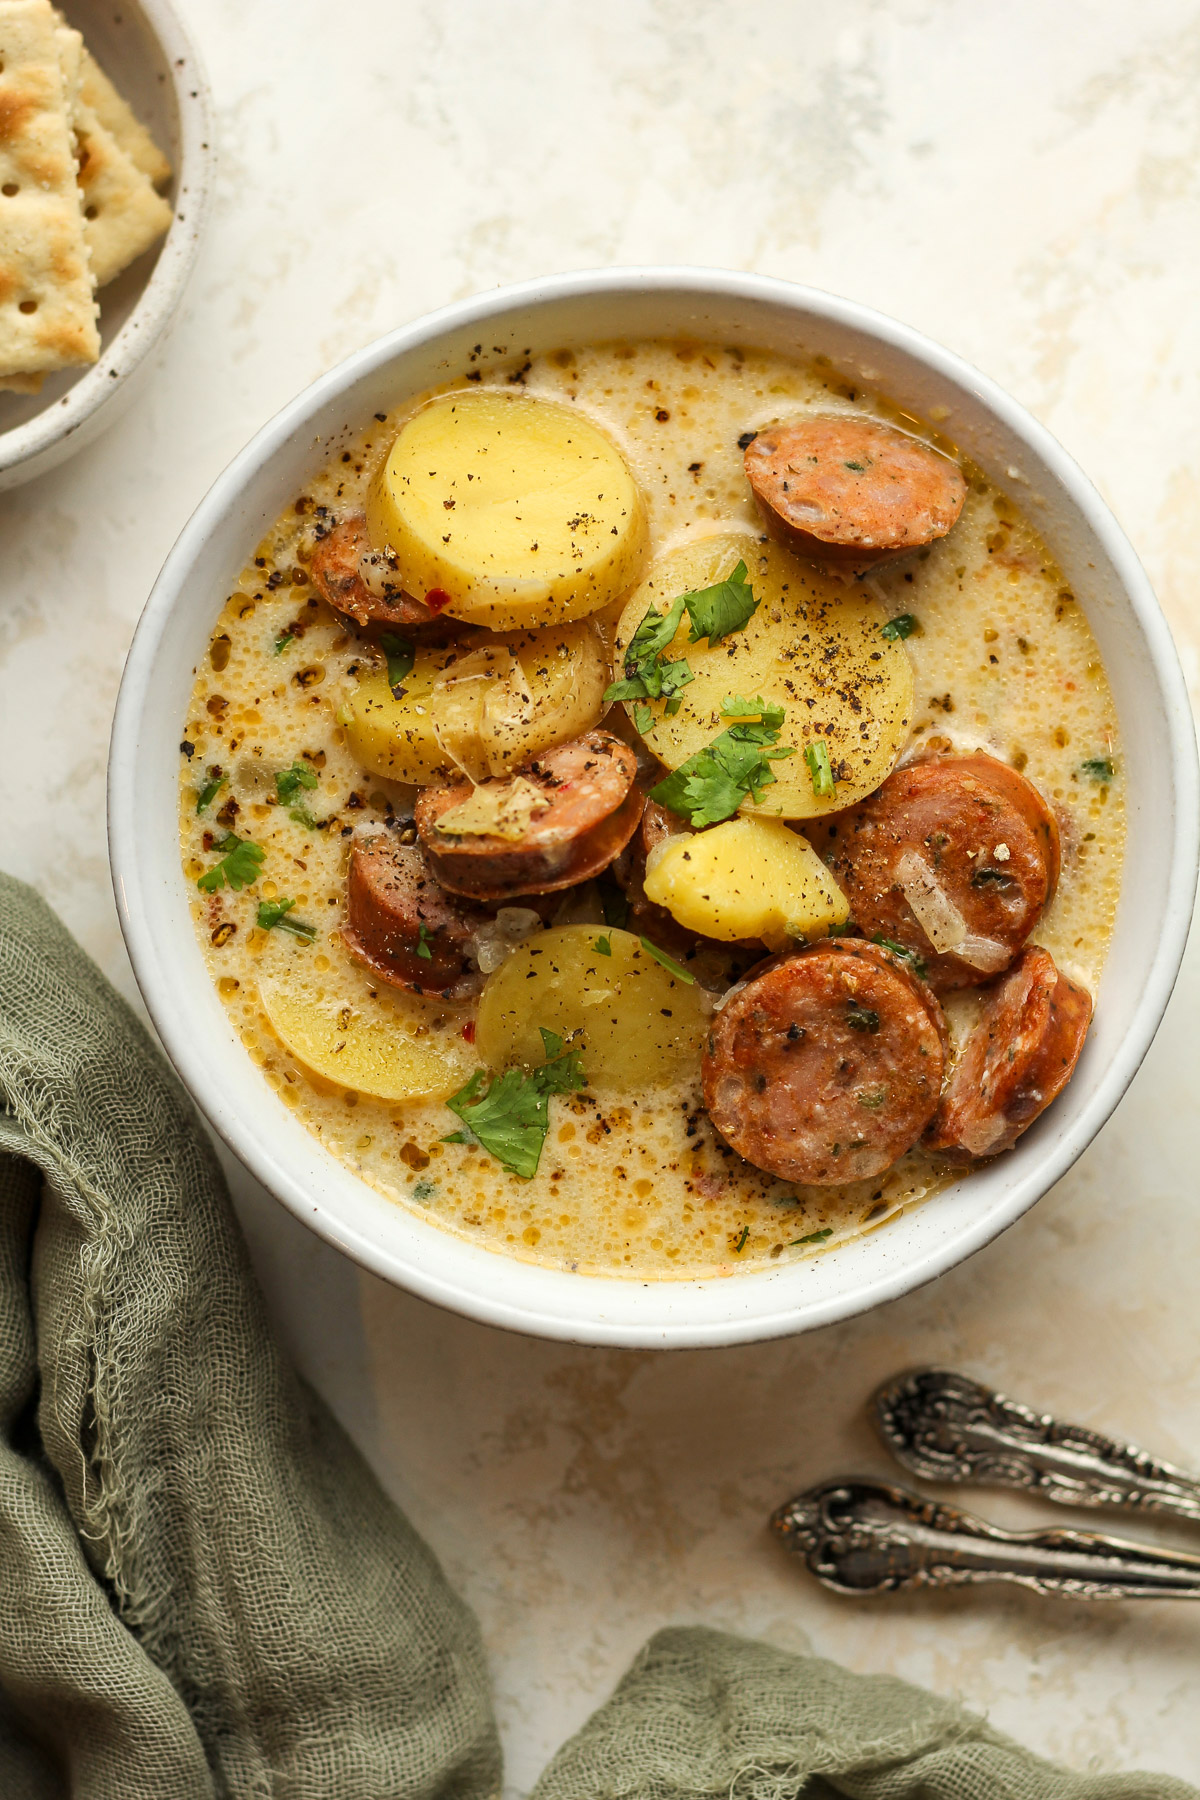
397,1241
144,46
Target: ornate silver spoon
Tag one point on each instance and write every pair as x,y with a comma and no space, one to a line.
946,1427
864,1537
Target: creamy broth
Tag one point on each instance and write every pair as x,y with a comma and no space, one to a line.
632,1185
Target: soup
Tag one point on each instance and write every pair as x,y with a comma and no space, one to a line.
943,661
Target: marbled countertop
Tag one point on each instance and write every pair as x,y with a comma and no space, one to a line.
1021,181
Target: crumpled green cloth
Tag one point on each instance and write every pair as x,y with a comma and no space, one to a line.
203,1591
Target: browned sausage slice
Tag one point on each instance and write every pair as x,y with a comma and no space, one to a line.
825,1067
361,582
1019,1058
952,858
851,492
403,926
565,815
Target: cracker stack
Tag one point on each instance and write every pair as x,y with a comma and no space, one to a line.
78,193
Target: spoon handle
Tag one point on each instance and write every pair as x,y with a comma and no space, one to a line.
946,1427
865,1537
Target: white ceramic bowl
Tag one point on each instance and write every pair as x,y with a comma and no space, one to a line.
144,47
1158,755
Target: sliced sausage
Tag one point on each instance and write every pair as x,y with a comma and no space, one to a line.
403,926
1019,1058
361,582
825,1067
851,492
574,808
953,859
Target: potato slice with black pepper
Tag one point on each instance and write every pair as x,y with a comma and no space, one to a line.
508,511
371,1040
812,646
606,994
485,704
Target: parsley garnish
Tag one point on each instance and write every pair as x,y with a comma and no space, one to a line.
288,782
511,1116
281,643
603,946
902,626
713,613
274,912
740,1245
820,770
643,718
209,792
814,1237
711,785
916,963
668,962
239,865
401,656
423,949
717,611
861,1018
1098,768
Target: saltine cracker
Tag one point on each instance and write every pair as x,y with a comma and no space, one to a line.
47,305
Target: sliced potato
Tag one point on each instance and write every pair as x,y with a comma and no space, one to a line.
364,1036
518,509
639,1027
747,878
813,647
398,738
484,704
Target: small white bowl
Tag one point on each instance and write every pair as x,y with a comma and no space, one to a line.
145,48
1158,755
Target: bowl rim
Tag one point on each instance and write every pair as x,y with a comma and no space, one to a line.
38,444
485,1301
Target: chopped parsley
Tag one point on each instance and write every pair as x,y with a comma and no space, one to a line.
717,611
423,949
282,643
510,1115
274,912
916,963
1098,768
712,784
209,792
902,626
288,782
713,613
820,770
238,868
874,1100
603,946
741,1243
814,1237
668,962
401,656
861,1018
643,718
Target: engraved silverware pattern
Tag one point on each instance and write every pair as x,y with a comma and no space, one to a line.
864,1537
946,1427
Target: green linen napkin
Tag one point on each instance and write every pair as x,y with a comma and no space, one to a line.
203,1591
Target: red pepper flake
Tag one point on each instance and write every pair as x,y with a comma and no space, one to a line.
468,1031
437,599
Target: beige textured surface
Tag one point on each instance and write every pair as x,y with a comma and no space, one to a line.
1020,185
47,313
